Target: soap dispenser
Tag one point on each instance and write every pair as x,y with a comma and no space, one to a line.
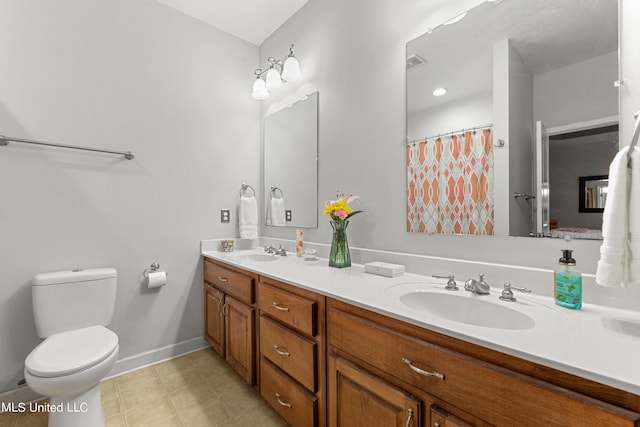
568,282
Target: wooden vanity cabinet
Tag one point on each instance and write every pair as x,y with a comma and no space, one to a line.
449,385
292,368
229,314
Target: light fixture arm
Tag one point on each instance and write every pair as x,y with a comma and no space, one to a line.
273,63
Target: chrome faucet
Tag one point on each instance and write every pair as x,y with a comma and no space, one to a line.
451,282
271,250
479,287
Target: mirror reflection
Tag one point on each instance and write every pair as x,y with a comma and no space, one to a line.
593,193
510,64
290,165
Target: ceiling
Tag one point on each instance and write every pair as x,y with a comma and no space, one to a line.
547,34
250,20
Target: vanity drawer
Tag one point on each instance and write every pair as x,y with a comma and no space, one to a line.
296,405
293,310
231,282
507,397
291,352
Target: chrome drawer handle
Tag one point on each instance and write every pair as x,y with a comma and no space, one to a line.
410,417
421,371
275,304
223,279
288,405
281,352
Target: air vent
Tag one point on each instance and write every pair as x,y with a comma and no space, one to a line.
414,61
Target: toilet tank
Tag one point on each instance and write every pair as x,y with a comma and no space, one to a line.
74,299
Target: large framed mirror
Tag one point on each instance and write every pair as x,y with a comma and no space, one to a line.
291,165
506,65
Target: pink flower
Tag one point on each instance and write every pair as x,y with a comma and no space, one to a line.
341,213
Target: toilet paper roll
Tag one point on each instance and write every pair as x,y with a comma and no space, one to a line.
157,279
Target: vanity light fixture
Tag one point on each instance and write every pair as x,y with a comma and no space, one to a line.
439,91
275,75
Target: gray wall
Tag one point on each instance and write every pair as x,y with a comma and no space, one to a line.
125,75
568,162
359,70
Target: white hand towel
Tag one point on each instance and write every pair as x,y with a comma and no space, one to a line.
618,265
248,218
634,219
276,212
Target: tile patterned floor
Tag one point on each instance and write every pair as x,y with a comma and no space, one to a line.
199,389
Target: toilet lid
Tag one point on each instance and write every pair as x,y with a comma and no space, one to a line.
72,351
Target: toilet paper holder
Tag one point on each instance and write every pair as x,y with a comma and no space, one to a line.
153,267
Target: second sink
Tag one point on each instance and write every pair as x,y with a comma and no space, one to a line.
471,310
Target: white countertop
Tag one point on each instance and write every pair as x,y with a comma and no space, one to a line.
599,343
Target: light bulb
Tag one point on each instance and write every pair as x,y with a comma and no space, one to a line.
259,90
291,69
273,79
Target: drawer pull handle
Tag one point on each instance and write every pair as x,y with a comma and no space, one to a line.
223,279
275,304
410,417
288,405
281,352
421,371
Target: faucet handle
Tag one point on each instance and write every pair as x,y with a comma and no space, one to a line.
507,293
451,283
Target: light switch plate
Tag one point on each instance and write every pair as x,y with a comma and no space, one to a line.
225,215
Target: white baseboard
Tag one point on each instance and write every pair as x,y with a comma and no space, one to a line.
122,366
142,360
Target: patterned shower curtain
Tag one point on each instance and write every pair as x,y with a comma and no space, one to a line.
450,184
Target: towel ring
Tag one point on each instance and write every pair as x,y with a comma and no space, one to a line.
274,189
244,187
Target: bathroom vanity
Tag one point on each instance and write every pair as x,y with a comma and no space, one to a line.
335,347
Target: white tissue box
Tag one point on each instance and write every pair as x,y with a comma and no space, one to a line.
384,269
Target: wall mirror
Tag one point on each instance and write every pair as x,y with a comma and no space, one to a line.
593,193
291,165
506,65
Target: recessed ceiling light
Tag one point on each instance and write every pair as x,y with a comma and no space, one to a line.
439,91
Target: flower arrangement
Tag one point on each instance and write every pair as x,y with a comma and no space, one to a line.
339,209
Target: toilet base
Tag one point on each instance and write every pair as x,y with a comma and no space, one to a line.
84,410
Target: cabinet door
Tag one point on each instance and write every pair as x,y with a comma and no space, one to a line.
360,399
239,330
213,318
441,418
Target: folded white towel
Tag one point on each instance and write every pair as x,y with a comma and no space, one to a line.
248,217
276,212
619,263
634,219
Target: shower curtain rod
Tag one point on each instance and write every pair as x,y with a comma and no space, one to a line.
4,140
474,128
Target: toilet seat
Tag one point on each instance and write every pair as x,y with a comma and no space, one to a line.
70,352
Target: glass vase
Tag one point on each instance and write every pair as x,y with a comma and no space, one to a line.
339,256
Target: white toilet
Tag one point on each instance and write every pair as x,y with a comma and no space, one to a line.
71,310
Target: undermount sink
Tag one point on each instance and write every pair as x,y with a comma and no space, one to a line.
254,257
471,310
462,307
